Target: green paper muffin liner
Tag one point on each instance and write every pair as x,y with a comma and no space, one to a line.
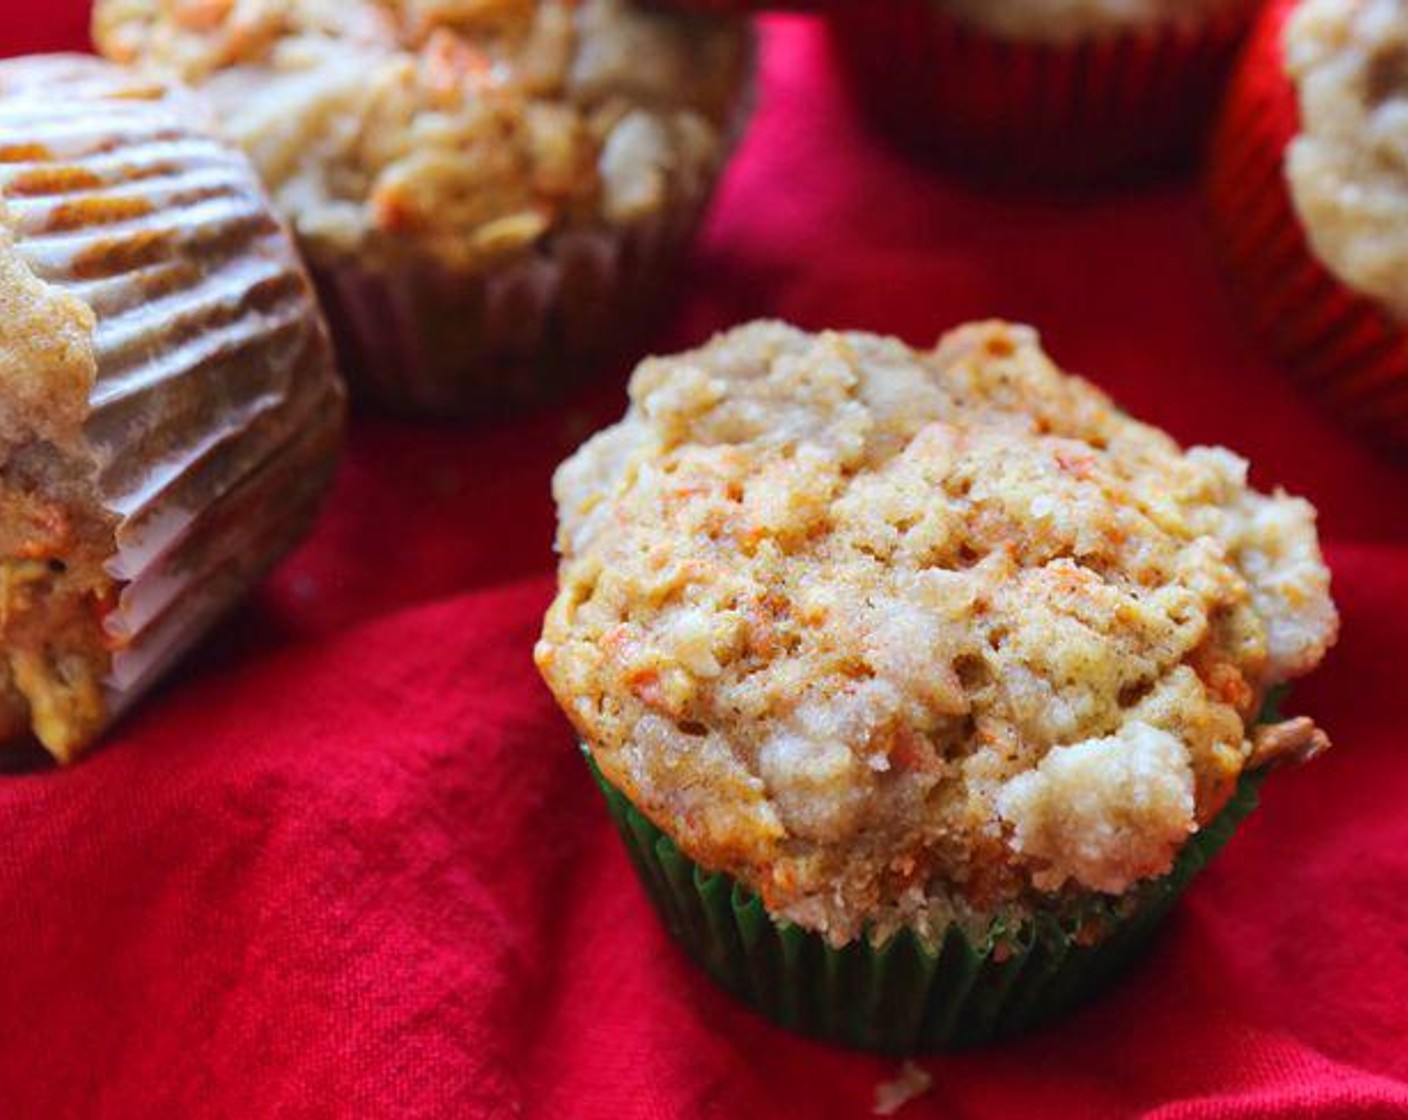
904,996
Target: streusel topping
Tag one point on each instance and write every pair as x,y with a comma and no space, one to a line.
895,635
463,129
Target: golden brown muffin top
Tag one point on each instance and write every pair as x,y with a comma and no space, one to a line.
1348,168
460,129
897,636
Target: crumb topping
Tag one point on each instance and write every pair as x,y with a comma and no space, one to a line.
909,1084
1104,812
463,129
1348,167
890,634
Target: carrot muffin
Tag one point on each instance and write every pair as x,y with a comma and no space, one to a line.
1066,90
169,411
488,193
934,644
1309,190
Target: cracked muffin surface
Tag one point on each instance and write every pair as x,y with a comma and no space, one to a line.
904,638
461,131
1348,167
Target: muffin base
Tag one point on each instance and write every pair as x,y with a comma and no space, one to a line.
1343,345
904,996
422,340
1134,105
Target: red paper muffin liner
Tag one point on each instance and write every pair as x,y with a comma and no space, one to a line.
1120,106
1344,345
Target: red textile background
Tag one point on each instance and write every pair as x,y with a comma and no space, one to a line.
348,863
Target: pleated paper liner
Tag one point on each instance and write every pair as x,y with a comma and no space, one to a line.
1342,345
216,417
1133,105
905,996
420,339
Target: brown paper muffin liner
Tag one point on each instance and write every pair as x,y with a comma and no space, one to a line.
216,417
1344,346
420,339
904,996
1129,105
423,341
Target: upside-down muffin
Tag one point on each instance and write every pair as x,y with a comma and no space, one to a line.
1308,192
923,656
169,409
1073,91
488,194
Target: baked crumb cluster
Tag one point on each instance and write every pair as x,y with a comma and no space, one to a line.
466,129
1348,167
900,637
1067,20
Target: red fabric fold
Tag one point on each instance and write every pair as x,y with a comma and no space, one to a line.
347,862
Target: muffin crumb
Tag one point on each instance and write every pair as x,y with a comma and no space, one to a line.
1104,813
910,1084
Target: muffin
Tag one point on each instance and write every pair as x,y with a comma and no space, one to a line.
489,195
920,682
737,7
169,410
1308,196
1073,91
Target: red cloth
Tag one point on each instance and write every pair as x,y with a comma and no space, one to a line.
348,862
